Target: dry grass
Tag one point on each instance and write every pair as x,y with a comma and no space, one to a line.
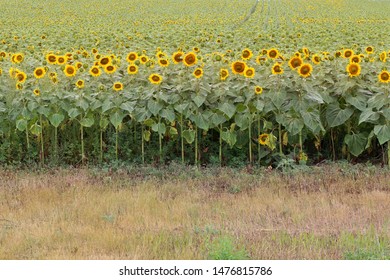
327,213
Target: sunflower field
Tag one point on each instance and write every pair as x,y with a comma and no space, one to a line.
197,81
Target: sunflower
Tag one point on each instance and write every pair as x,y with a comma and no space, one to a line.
155,79
246,54
316,59
370,49
104,61
249,72
17,58
258,90
305,70
21,77
355,59
117,86
263,139
78,65
19,86
160,54
110,69
177,57
61,60
51,58
383,56
223,74
80,83
198,72
306,52
39,72
196,49
277,69
273,53
132,69
143,59
348,53
295,62
163,62
260,59
37,92
353,69
239,67
52,75
384,77
190,59
70,70
54,80
131,57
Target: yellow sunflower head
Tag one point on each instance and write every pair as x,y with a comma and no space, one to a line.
249,72
177,57
198,72
353,69
131,57
277,69
163,62
348,53
132,69
17,58
110,69
246,54
61,60
370,49
355,59
21,77
70,70
37,92
39,72
155,79
239,67
223,74
305,70
295,62
95,71
384,77
383,56
117,86
190,59
258,90
105,60
51,58
316,59
273,53
80,83
263,139
143,59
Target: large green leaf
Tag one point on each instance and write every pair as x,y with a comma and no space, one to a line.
369,116
87,121
36,129
168,114
21,124
3,108
356,143
242,120
128,107
189,135
382,132
56,119
217,119
199,100
159,127
154,106
229,137
228,109
336,116
73,113
358,101
201,121
312,121
116,118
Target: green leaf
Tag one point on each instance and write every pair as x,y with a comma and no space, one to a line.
154,107
189,135
259,104
103,123
217,119
229,137
73,113
159,127
128,107
368,116
56,119
336,116
386,113
21,124
356,143
173,131
199,100
382,132
147,135
312,121
149,122
116,119
242,120
3,108
358,101
107,105
314,96
36,129
87,121
168,114
228,109
200,121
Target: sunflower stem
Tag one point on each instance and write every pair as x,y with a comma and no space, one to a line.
42,144
300,142
82,144
160,139
220,144
388,154
258,133
250,139
101,145
56,144
196,145
142,144
182,138
116,144
27,142
280,140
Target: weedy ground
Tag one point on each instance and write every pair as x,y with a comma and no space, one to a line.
336,211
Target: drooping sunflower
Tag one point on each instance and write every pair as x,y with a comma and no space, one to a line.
117,86
348,53
51,58
384,76
273,53
131,57
70,70
61,60
353,69
370,49
277,69
246,54
54,80
258,90
249,72
316,59
78,65
263,139
260,59
305,70
155,79
132,69
355,59
17,58
110,69
239,67
163,62
198,72
160,54
306,52
19,86
21,77
295,62
190,59
39,72
37,92
80,83
104,61
383,56
177,57
223,74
